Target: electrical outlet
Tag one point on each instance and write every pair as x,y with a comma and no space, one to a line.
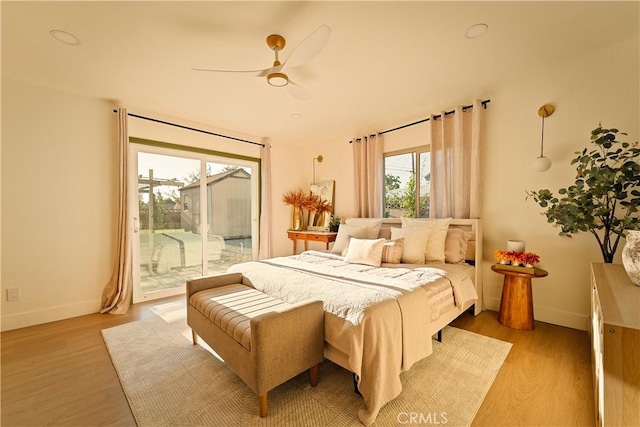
13,294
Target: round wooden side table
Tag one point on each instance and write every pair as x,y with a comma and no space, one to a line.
516,304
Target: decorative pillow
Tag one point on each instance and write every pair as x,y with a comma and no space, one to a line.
455,245
385,233
415,243
435,246
342,239
470,250
372,224
365,251
392,251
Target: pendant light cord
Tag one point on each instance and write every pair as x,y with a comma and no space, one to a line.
542,139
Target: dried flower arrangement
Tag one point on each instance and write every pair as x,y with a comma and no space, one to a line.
297,198
305,202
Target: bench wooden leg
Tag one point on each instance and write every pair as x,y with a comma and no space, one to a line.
313,375
194,336
262,399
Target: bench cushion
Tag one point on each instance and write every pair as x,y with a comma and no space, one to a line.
231,308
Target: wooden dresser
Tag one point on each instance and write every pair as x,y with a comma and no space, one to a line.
615,343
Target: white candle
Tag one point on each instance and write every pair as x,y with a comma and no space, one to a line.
515,246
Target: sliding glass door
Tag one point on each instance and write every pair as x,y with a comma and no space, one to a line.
196,214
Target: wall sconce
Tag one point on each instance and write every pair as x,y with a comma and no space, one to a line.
542,163
319,159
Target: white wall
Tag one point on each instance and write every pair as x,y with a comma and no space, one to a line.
600,87
58,198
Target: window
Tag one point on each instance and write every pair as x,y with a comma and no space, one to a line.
407,176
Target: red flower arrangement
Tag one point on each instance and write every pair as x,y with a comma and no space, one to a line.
516,258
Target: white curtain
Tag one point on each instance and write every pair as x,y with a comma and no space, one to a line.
116,296
266,243
455,163
368,176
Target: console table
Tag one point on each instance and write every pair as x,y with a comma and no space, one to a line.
313,236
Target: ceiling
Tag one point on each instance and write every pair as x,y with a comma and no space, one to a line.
386,63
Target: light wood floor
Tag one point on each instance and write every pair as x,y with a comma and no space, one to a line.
60,374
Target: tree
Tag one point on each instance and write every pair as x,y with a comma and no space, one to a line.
157,202
604,199
391,197
404,198
195,175
408,198
229,168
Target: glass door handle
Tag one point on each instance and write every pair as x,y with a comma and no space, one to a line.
136,225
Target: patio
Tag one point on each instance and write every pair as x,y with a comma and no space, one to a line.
170,270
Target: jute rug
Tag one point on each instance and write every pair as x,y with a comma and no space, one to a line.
170,382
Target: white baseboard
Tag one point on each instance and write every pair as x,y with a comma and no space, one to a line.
49,314
548,315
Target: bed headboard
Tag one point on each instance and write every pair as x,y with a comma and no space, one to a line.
474,247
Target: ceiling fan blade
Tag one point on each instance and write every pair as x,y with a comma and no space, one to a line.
254,72
298,92
309,47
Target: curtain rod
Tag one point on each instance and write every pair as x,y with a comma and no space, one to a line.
446,113
190,128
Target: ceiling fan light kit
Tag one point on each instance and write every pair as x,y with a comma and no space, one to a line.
277,79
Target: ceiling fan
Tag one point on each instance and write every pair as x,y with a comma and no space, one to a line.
304,52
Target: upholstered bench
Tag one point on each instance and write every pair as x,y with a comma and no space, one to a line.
264,340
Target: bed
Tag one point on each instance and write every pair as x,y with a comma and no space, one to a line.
380,316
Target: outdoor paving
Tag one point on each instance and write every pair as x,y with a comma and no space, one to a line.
230,255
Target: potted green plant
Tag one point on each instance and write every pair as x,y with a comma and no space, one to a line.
334,223
605,196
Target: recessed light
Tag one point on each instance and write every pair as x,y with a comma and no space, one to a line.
296,116
476,30
65,37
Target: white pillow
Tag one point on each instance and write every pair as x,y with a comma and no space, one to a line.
435,245
365,251
415,243
344,233
372,224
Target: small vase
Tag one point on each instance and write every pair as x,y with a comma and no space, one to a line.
297,218
631,256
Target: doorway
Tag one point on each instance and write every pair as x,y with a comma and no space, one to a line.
195,213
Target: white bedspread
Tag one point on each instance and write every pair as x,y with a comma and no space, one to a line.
386,312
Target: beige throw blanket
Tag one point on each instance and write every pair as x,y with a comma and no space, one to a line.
385,309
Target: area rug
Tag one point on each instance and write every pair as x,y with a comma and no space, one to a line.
170,382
